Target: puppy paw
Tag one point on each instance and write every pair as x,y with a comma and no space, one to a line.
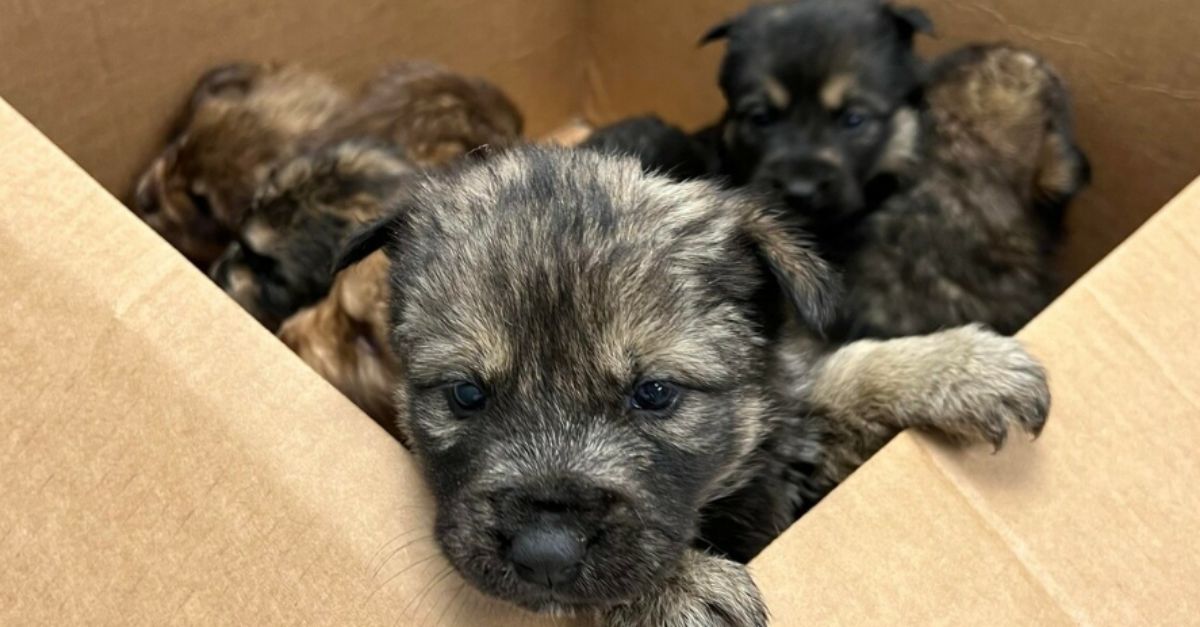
706,591
998,387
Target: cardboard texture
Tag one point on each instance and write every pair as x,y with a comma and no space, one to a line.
1093,524
165,460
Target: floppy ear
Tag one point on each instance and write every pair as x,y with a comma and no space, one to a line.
720,31
368,239
809,283
910,21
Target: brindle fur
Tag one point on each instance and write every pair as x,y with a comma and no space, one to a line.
434,114
241,119
557,280
289,238
944,206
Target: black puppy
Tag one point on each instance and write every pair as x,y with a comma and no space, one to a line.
939,194
660,147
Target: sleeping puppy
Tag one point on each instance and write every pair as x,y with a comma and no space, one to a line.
344,338
603,370
241,118
940,196
291,234
434,114
661,147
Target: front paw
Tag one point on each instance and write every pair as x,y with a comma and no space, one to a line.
1002,388
706,591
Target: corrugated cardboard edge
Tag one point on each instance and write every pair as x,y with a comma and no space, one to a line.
166,460
1094,523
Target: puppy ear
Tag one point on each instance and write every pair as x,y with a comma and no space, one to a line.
910,21
720,31
368,239
808,282
233,80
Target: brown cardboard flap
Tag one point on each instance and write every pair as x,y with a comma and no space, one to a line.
165,459
1095,523
104,79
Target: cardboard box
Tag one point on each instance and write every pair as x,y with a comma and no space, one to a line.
165,460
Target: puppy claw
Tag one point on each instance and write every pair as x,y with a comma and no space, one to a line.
707,591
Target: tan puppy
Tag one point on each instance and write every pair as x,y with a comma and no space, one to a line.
241,119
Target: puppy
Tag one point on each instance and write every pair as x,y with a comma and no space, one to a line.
305,208
660,146
610,381
344,338
240,119
940,196
973,237
434,114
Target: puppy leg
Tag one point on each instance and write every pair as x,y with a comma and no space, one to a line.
706,591
969,383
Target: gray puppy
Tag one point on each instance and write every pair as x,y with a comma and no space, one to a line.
610,383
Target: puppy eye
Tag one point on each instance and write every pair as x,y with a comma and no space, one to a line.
654,396
200,202
853,118
759,116
466,399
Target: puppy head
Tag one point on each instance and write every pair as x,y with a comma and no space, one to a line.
821,99
290,237
239,119
435,114
997,105
344,337
584,349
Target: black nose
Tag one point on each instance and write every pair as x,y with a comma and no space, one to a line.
806,192
547,554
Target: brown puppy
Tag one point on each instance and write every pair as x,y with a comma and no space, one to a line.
289,238
434,114
608,379
241,118
344,338
930,189
973,238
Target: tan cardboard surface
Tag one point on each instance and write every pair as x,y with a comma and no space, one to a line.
104,78
1095,523
166,460
1134,68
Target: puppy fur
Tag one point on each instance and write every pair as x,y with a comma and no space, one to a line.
434,114
551,286
240,119
344,337
289,238
661,147
939,193
973,238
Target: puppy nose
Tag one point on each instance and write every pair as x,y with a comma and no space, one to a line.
547,554
801,191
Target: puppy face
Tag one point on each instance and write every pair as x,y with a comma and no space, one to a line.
434,114
584,348
240,119
1005,110
288,240
820,98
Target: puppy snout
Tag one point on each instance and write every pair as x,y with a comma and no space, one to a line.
548,552
807,186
